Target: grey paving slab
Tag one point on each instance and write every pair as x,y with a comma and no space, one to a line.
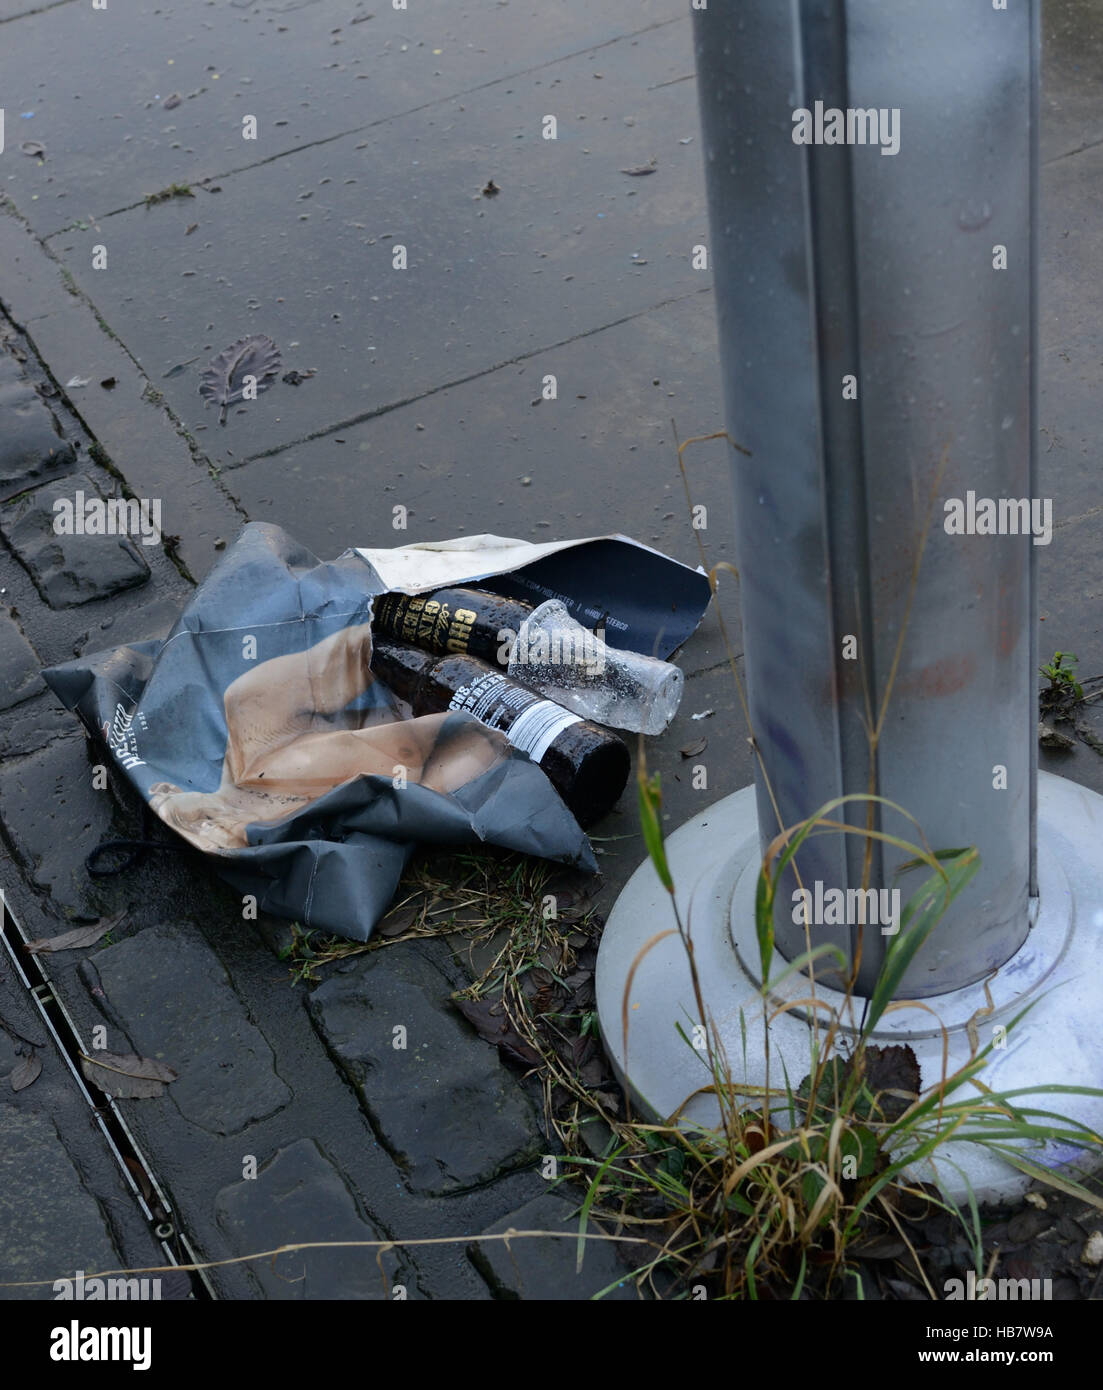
1072,61
13,9
69,569
543,1267
32,448
294,250
35,1162
19,664
302,1196
1070,569
53,818
1070,241
31,726
98,82
437,1095
481,457
153,981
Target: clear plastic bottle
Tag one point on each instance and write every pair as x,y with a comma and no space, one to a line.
573,666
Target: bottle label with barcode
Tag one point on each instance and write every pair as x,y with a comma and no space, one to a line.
530,724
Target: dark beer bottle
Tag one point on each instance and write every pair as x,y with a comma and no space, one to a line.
587,765
464,621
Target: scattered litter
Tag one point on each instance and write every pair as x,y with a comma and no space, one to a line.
75,382
26,115
125,1076
703,714
491,190
172,101
686,140
188,230
637,171
316,819
34,148
109,383
25,1071
223,382
692,749
294,377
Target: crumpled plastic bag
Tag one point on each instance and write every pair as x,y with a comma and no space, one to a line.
257,731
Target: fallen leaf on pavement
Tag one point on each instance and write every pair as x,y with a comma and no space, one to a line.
73,940
223,381
395,923
126,1076
25,1071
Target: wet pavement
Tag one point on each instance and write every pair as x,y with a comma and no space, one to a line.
376,129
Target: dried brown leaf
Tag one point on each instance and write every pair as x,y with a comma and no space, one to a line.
75,939
399,921
126,1076
25,1071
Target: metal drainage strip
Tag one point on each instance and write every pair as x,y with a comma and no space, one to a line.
112,1125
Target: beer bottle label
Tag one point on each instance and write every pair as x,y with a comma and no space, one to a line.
425,622
531,724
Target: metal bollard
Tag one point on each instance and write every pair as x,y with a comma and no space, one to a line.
877,307
844,262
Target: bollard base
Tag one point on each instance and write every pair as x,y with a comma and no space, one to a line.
715,859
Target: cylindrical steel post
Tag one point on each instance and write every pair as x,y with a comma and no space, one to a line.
877,313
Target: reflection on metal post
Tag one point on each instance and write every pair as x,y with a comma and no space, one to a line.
867,339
